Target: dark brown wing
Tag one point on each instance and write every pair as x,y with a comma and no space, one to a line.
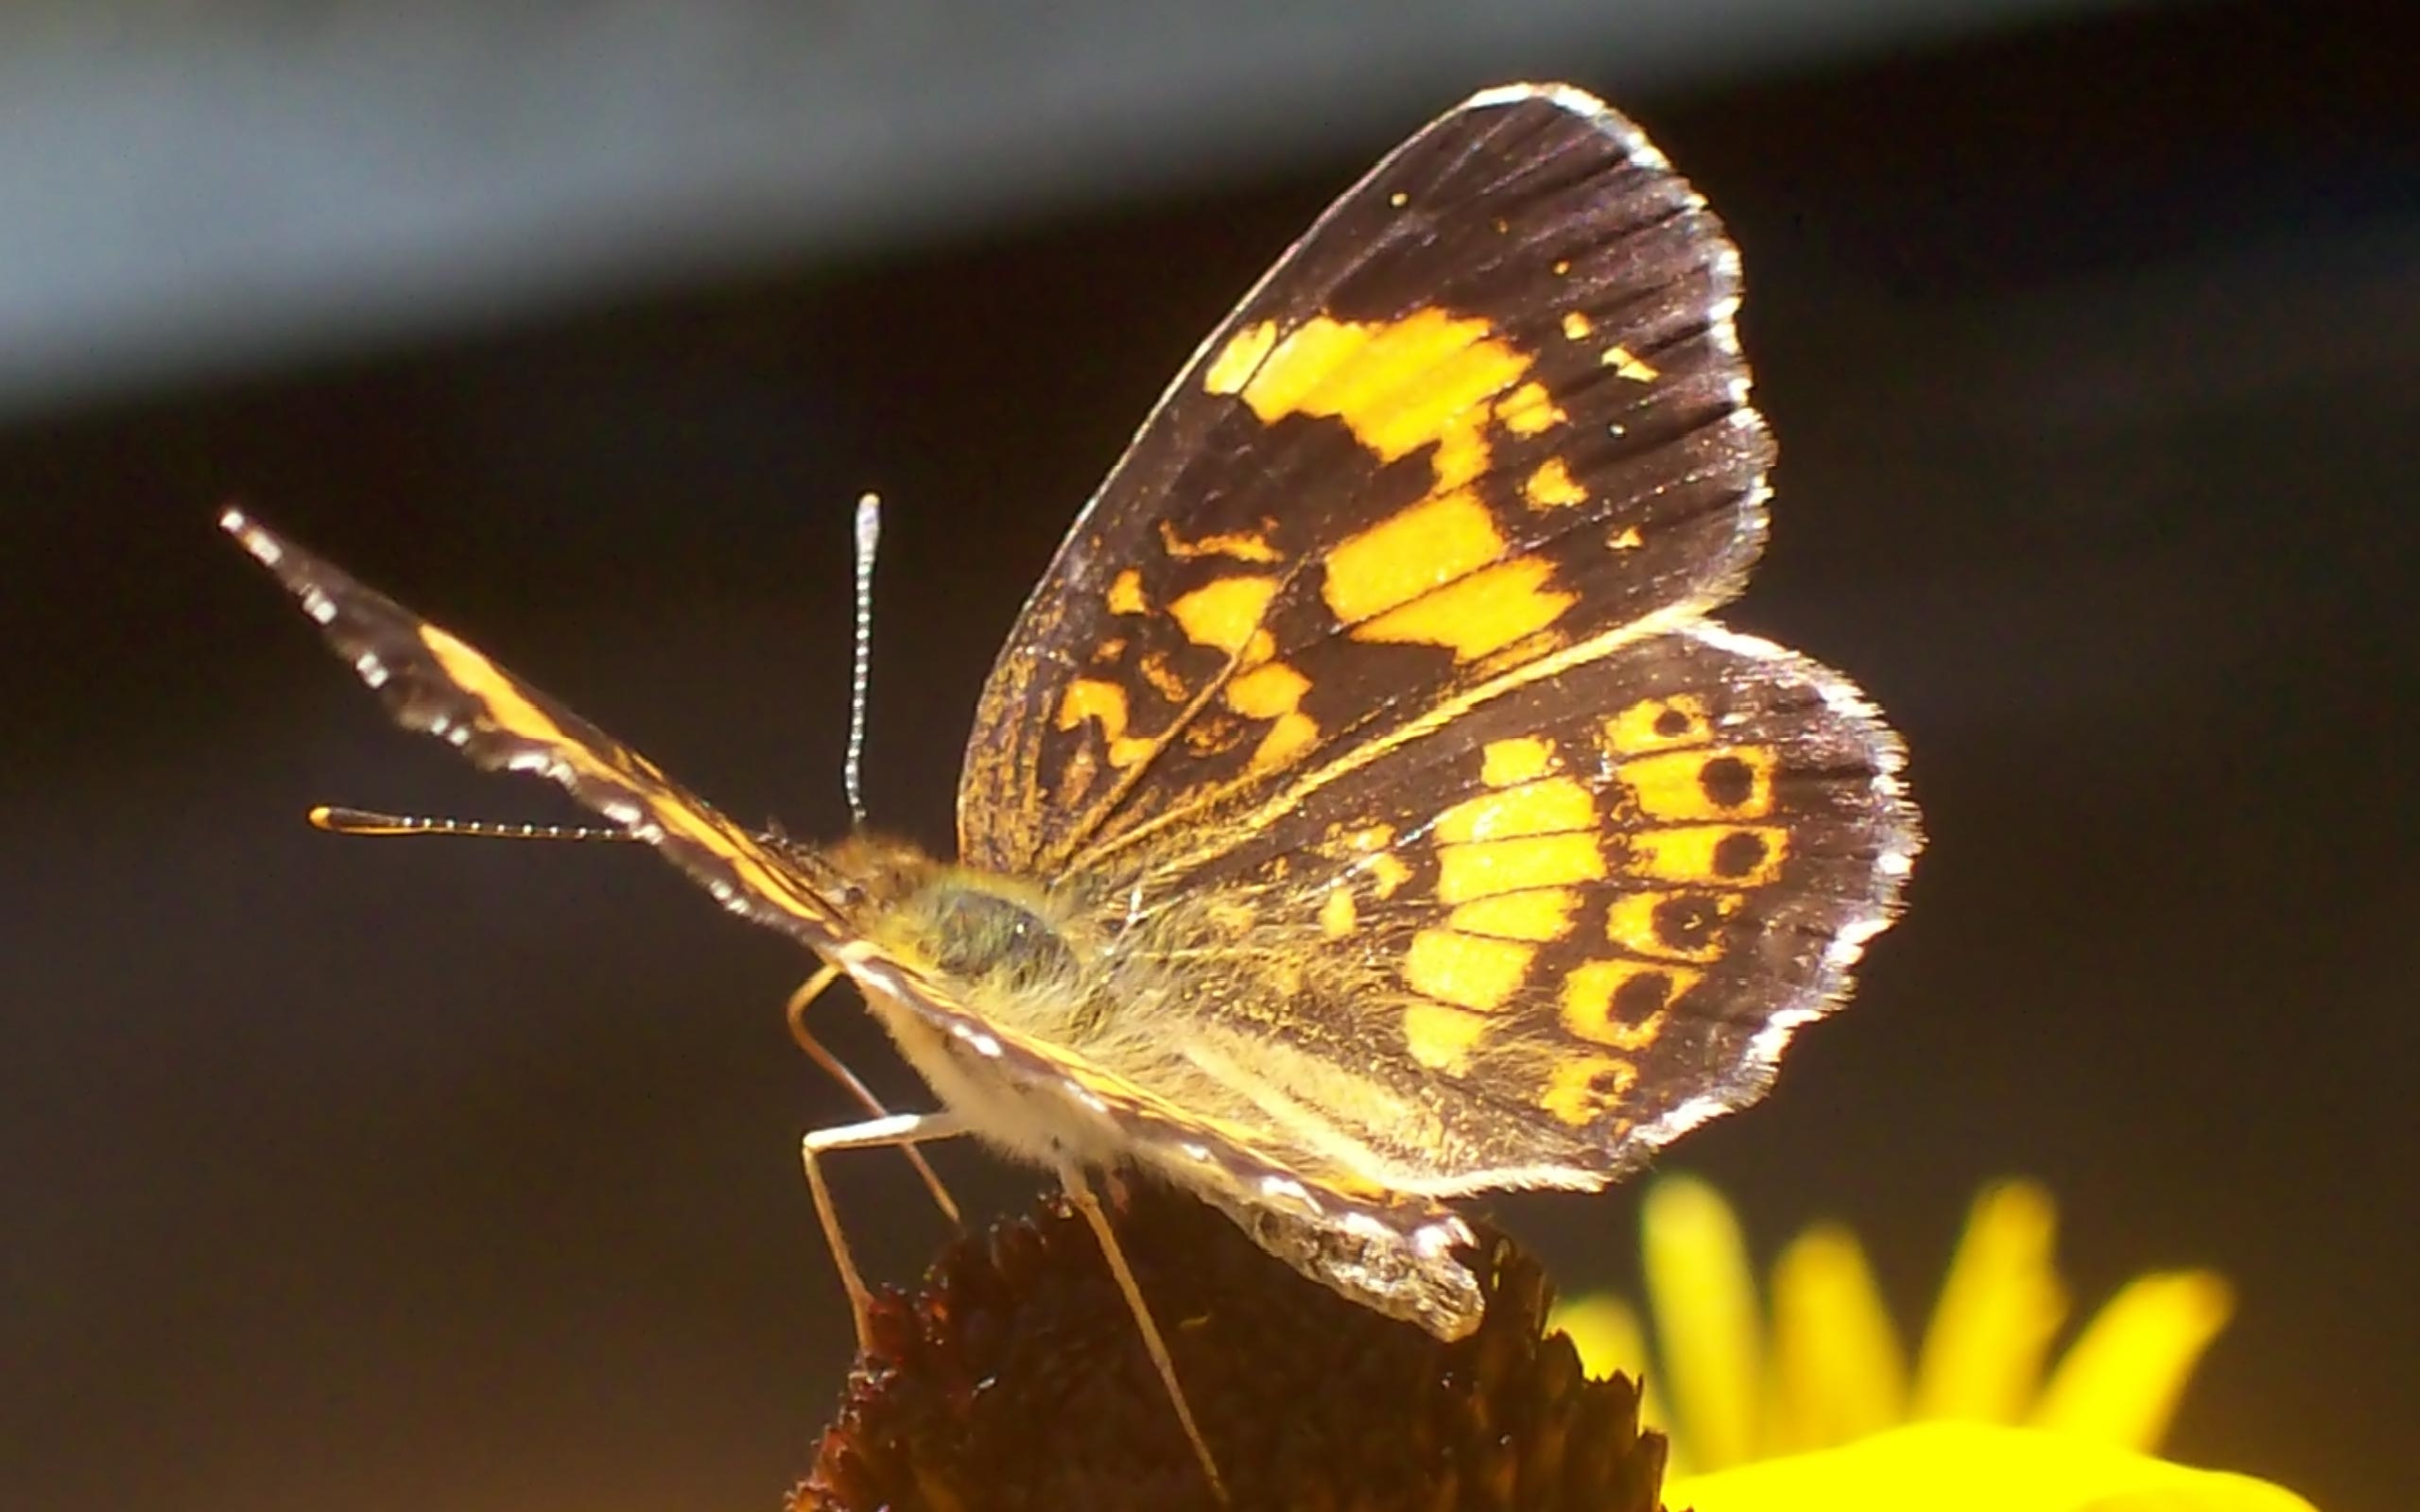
1375,685
433,682
1489,409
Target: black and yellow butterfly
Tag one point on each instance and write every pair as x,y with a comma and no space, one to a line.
1364,812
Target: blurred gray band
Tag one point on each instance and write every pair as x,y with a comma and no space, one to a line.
188,189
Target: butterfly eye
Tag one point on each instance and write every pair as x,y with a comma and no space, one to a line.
973,933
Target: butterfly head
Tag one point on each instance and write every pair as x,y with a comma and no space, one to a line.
978,935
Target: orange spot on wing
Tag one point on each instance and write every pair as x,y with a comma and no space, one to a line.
1715,783
1546,806
1337,915
1580,1089
1399,384
1676,925
1621,1004
1624,365
1239,358
1224,612
1274,691
1540,914
1462,454
1104,703
1409,553
506,704
1485,612
1267,691
1487,868
1294,733
1126,594
1551,485
1712,856
1290,377
1576,325
1657,724
1464,969
1440,1038
1240,545
1527,410
1154,668
1520,758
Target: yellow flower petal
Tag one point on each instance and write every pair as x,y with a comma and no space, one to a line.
2121,1382
1606,1331
2001,1303
1975,1468
1839,1371
1705,1298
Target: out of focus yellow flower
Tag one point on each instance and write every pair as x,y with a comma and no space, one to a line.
1014,1377
1975,1467
1760,1388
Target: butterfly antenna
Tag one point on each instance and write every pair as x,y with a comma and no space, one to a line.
339,820
869,535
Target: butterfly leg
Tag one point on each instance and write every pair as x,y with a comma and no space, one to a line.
1154,1345
895,1129
795,1012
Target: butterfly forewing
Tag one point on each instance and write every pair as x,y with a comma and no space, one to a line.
1489,408
434,683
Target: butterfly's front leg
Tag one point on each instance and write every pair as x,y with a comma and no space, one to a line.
795,1012
898,1129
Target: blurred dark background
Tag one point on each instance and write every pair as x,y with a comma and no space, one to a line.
408,1175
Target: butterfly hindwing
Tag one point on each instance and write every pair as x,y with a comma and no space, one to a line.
1490,407
1576,921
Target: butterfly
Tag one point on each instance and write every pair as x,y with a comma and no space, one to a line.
1366,810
